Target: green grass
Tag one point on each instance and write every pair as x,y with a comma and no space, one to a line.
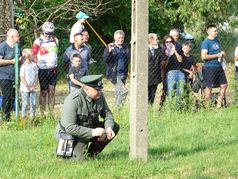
181,145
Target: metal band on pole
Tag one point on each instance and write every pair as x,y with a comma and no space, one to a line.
16,80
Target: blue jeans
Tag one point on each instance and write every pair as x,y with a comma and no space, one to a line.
26,96
175,82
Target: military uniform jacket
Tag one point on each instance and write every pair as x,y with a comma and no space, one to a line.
81,114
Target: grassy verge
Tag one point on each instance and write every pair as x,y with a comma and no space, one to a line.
181,145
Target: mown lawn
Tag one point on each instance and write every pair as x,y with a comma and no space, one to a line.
188,145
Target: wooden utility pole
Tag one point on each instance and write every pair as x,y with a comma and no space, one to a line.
139,80
6,17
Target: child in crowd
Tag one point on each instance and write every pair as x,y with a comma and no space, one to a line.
188,64
76,72
29,76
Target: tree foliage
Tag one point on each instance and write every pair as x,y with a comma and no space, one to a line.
110,15
194,15
33,13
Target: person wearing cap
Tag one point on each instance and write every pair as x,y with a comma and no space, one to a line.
78,27
80,119
45,50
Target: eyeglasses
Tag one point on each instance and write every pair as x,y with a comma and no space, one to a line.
168,41
48,33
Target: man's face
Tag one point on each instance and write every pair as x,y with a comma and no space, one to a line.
47,35
175,35
78,40
213,32
154,41
85,36
94,93
15,37
119,39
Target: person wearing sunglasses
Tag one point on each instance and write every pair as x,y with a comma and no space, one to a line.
175,78
45,50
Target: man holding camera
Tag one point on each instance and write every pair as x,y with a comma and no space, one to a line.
117,57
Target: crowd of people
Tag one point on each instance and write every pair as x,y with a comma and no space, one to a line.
176,68
169,63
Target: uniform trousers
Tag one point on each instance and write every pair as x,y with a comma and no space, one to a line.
93,147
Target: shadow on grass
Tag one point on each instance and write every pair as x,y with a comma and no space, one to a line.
166,153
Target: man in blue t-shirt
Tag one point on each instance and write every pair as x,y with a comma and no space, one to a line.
214,74
7,72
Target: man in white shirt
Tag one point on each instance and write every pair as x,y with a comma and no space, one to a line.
78,27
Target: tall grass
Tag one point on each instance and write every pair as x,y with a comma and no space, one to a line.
181,145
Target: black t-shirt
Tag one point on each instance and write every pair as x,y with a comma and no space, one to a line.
187,63
78,73
173,63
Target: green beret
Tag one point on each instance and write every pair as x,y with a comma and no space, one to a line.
94,81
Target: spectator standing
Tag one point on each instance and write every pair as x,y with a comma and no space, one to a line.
188,64
77,47
175,34
78,27
86,39
76,72
236,72
117,57
29,76
236,61
45,50
7,72
156,71
214,75
174,76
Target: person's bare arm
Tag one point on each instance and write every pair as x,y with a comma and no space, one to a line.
71,76
206,56
4,62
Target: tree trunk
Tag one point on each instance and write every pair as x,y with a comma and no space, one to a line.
6,17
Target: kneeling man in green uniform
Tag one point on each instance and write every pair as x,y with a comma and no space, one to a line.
80,119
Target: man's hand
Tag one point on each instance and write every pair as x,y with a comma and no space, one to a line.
97,132
111,47
110,133
21,59
221,54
